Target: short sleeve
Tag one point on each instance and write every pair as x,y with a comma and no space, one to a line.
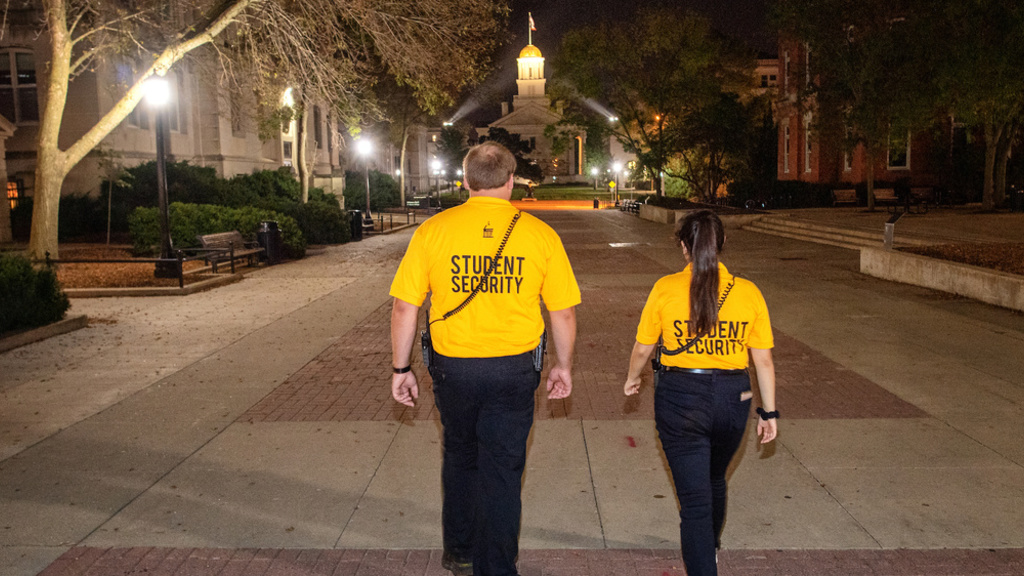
649,330
412,281
560,289
761,334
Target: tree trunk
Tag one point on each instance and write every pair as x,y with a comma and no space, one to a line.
50,160
869,174
992,134
401,175
1002,158
300,153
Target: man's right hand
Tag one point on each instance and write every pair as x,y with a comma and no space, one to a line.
404,388
559,383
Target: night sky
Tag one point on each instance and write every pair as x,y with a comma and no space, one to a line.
744,19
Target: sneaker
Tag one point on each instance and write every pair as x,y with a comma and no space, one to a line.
457,566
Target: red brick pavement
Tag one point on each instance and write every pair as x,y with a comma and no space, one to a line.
350,379
649,562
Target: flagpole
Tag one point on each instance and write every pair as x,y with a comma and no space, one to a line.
529,25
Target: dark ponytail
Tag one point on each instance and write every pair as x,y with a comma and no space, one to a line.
703,235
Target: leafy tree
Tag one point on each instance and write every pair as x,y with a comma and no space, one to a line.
868,72
451,147
715,142
653,79
384,192
525,168
980,76
328,48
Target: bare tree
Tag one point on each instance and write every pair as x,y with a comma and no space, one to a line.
328,48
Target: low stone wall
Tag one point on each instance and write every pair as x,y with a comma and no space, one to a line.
999,288
667,216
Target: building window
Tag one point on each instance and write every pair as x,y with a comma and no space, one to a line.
785,72
14,193
19,101
807,64
318,130
785,148
899,151
179,107
773,79
764,80
807,143
237,118
287,153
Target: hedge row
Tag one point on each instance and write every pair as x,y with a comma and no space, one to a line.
191,220
28,297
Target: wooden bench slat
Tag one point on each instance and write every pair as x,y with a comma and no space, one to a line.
232,246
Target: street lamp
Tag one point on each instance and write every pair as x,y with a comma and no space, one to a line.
158,96
364,147
616,170
436,166
593,172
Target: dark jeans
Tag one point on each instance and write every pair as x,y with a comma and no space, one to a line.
701,421
486,407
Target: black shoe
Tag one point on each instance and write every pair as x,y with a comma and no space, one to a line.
457,566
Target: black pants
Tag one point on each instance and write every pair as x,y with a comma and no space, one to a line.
700,420
486,407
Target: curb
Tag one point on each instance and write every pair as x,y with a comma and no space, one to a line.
152,291
19,339
990,286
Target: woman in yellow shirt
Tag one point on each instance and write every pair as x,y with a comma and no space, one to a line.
703,321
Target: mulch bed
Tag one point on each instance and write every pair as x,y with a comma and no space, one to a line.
1002,257
119,275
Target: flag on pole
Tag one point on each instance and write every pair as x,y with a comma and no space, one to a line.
533,27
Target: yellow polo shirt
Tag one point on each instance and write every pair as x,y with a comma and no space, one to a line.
448,255
742,323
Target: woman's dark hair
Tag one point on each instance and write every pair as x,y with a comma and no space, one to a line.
703,235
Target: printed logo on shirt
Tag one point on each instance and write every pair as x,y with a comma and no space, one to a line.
725,338
468,269
488,231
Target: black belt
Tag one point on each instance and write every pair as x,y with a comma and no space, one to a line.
719,371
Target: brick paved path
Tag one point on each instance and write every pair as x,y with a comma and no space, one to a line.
290,562
345,383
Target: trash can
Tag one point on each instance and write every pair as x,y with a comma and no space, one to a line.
356,223
269,237
1017,200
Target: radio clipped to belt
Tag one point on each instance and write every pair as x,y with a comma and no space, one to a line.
660,349
427,344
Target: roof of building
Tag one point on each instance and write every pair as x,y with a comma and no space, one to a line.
530,51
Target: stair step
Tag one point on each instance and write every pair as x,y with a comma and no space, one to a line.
835,238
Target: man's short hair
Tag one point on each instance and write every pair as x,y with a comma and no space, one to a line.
488,166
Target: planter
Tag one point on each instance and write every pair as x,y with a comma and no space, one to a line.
991,286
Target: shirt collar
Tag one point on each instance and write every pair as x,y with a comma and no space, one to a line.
487,201
722,270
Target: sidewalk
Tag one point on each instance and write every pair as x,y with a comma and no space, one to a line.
249,430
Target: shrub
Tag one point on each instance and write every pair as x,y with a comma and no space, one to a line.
384,191
78,216
450,201
28,297
191,220
322,222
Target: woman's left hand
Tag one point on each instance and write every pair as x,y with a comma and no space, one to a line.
767,429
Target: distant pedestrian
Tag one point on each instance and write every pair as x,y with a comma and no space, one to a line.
486,267
702,322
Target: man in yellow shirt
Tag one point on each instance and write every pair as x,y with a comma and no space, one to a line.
486,266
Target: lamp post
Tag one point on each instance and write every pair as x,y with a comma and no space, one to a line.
158,95
593,172
436,165
617,171
364,147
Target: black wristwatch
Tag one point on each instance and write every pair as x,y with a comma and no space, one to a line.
402,370
767,415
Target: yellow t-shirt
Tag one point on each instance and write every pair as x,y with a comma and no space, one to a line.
451,251
742,323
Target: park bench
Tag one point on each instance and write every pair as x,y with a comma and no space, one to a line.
846,196
922,198
228,247
886,197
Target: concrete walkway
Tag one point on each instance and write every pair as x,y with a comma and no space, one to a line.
249,430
